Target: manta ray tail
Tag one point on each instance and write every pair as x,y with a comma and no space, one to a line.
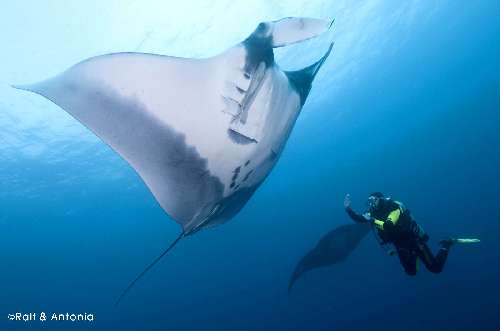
151,265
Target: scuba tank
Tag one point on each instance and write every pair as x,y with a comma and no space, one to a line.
406,227
410,226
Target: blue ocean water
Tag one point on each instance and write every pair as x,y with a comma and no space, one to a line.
407,104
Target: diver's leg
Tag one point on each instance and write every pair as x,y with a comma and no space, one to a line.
408,260
433,263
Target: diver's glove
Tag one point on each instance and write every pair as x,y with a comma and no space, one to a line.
369,219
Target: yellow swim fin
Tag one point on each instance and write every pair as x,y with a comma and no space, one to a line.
466,240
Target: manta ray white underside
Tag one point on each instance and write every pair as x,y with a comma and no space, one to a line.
201,133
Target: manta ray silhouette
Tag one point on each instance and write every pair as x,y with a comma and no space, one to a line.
203,134
332,248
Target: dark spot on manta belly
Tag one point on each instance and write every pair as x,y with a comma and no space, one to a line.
247,175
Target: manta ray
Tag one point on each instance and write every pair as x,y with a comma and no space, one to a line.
336,246
203,134
332,248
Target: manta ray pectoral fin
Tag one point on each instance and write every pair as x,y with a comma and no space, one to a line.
302,79
136,103
296,29
332,248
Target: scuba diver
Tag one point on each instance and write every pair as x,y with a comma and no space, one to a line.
393,224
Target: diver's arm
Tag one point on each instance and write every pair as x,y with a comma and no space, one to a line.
352,214
365,218
391,220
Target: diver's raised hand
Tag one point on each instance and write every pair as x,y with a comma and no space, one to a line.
347,201
352,214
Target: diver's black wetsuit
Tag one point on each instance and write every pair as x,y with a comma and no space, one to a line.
395,225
